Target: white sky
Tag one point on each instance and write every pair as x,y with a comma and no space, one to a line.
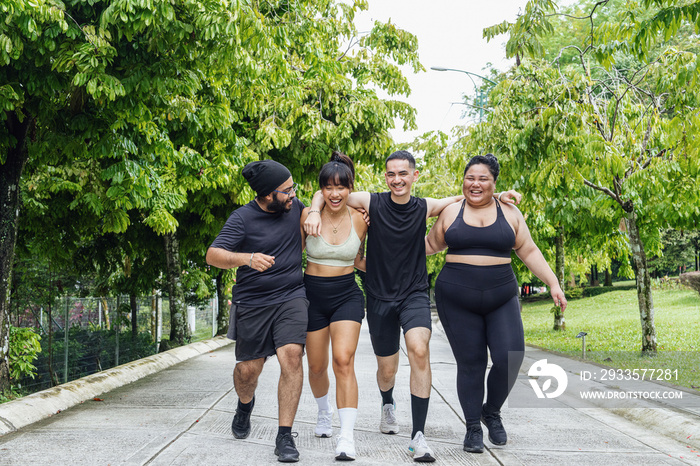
449,35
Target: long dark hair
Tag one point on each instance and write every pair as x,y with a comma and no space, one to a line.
339,171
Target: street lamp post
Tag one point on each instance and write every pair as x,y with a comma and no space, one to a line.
481,96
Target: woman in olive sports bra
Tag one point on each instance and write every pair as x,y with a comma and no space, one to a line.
336,304
477,295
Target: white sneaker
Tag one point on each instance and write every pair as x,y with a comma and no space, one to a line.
420,449
389,424
345,448
324,427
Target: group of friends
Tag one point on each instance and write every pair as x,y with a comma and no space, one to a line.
278,309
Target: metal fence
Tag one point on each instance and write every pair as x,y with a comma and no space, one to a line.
81,336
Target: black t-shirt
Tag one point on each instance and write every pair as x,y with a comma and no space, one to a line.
396,247
250,229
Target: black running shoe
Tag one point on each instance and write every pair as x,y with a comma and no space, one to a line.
492,421
474,440
285,449
241,422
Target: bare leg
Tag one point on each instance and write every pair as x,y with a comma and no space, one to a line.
317,356
245,378
291,381
387,367
344,337
417,346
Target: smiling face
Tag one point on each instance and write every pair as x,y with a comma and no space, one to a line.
478,185
336,196
400,177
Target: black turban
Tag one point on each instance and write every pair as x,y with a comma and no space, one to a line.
265,175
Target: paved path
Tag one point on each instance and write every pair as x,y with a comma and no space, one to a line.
181,415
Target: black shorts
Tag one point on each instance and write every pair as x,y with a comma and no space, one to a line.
259,331
332,299
387,318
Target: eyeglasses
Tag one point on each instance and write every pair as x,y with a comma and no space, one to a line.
289,191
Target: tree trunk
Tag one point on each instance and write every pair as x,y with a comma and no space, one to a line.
223,315
608,278
154,314
644,296
105,310
559,320
134,315
179,330
10,174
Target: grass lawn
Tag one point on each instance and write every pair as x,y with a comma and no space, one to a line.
614,331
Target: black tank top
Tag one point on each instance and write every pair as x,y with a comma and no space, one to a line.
495,240
396,247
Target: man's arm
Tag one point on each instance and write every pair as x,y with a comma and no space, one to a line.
223,259
435,206
312,225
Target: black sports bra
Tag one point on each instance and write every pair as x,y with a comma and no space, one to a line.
496,240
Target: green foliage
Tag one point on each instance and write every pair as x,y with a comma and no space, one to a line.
612,323
678,252
90,351
142,115
25,346
603,136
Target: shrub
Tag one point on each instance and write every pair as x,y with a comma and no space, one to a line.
25,346
598,290
691,280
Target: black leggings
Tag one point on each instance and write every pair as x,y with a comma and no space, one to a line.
479,309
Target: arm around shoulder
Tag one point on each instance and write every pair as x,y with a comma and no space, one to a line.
359,200
436,206
435,239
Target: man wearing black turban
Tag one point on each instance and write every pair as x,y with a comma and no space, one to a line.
269,310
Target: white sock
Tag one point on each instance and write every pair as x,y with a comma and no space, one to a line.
347,420
323,404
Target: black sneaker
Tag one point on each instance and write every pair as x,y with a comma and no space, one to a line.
285,449
241,422
492,421
474,440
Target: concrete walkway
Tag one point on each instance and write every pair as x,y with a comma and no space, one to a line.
181,415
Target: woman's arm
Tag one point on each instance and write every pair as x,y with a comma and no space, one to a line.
532,257
312,224
302,219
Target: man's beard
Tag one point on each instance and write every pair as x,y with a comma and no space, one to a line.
278,206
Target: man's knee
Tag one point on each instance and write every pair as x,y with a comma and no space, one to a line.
387,366
247,371
419,352
290,356
418,346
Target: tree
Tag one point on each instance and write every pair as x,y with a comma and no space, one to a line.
636,94
146,112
